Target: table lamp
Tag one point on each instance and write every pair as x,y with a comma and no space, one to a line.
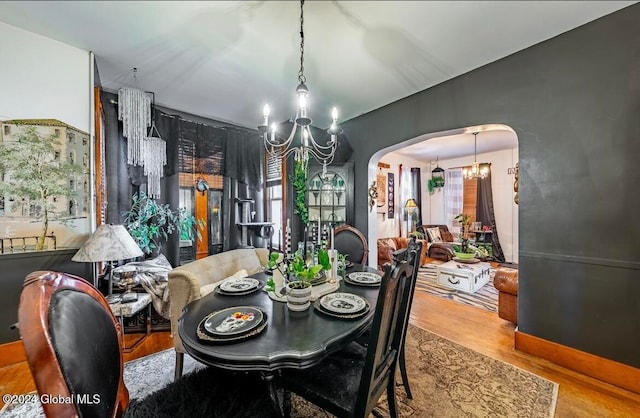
108,243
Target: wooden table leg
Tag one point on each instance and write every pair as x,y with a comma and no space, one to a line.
269,378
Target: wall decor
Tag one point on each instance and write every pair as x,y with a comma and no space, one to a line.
381,183
373,195
390,196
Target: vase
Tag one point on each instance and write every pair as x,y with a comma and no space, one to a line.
298,295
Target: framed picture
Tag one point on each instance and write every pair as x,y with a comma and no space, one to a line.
46,145
390,196
381,184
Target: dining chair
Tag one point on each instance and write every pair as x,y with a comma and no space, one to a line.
349,240
349,382
74,346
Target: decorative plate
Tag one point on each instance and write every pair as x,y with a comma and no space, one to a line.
233,321
205,336
219,291
241,284
319,308
351,282
342,303
364,277
472,261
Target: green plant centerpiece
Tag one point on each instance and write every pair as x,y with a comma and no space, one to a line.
150,223
464,251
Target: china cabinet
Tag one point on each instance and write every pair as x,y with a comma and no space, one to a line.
330,194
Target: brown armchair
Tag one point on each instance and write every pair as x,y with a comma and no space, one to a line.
440,250
506,281
387,246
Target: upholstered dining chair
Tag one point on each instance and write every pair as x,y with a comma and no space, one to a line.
74,350
348,383
349,240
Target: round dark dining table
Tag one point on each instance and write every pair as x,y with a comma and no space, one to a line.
290,340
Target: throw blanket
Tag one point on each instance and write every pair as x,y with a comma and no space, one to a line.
153,276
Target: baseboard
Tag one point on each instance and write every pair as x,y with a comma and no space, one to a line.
609,371
12,353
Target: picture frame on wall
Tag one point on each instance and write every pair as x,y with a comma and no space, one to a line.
381,184
390,196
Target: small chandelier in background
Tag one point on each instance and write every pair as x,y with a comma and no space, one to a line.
475,171
279,147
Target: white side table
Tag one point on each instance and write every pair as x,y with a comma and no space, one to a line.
129,309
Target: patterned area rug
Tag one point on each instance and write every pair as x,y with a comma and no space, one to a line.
447,380
486,297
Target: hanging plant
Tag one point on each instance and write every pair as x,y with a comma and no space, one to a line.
299,182
435,183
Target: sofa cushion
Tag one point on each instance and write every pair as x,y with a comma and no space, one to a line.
434,234
446,236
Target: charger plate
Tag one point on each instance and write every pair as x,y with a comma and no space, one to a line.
351,282
364,277
342,303
239,284
318,307
220,291
206,335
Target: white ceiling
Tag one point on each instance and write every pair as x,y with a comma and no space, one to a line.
225,59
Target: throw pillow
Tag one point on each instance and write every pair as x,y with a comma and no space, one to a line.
446,236
434,234
388,242
208,288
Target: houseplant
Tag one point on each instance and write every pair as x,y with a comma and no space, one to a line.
464,251
150,223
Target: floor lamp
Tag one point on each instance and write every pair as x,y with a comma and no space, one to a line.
108,243
410,207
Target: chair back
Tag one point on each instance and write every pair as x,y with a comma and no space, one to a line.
349,240
73,345
386,335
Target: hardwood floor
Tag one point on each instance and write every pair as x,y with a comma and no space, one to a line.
579,396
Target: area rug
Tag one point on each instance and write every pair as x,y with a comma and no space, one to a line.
447,380
486,297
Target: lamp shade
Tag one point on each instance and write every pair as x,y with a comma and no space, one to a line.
108,243
411,204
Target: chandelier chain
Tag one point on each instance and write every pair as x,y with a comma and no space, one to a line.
301,76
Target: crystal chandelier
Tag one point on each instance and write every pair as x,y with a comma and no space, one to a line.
475,171
278,146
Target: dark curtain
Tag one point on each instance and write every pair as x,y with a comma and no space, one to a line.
243,179
123,180
485,213
416,186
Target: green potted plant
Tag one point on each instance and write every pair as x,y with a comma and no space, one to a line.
150,223
464,251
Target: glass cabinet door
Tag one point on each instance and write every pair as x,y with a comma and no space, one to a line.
329,197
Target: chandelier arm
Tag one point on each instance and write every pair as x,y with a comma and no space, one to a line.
332,144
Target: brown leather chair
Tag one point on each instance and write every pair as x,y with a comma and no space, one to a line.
439,250
506,281
349,240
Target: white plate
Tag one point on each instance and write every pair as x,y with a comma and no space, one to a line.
365,277
234,320
241,284
342,303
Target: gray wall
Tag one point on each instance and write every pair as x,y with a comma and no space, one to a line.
574,102
15,267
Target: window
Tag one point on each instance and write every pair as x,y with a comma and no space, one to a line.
85,160
7,129
72,137
1,205
56,133
453,197
72,157
72,184
85,140
72,207
274,198
34,211
56,156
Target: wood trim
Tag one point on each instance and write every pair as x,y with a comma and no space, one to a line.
383,165
12,353
603,369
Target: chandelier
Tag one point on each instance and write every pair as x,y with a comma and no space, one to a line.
278,146
475,171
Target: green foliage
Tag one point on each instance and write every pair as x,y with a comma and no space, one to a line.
300,269
150,223
465,221
299,182
34,176
435,183
323,259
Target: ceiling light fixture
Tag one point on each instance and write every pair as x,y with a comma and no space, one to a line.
308,147
475,171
